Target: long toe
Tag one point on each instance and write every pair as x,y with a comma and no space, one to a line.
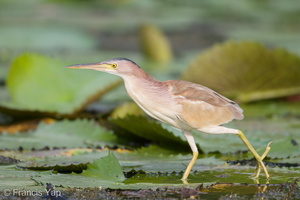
260,164
257,171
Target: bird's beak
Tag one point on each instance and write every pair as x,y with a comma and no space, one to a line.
94,66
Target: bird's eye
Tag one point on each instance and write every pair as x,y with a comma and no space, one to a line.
114,65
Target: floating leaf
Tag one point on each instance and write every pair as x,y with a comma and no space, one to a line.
38,83
63,164
13,178
103,172
79,133
150,130
246,71
27,155
105,168
284,148
103,165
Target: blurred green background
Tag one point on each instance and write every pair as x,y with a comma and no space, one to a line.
92,30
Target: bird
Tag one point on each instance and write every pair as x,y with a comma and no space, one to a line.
181,104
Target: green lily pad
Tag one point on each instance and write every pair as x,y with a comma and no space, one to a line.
37,83
104,171
13,178
63,164
246,71
284,148
105,168
69,134
151,130
17,156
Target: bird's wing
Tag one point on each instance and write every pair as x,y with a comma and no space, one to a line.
202,106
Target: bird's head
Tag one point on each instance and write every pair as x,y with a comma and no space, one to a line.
117,66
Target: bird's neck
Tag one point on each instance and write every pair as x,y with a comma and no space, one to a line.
140,79
141,83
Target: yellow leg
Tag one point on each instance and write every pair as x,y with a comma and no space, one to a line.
258,169
256,156
190,139
190,166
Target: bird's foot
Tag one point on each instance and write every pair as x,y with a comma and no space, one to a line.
260,164
184,181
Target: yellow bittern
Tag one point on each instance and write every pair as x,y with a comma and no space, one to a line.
184,105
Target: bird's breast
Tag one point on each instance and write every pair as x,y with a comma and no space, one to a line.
155,100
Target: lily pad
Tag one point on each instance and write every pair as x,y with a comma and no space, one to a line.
104,171
105,168
13,178
284,148
37,83
63,164
151,130
61,134
246,71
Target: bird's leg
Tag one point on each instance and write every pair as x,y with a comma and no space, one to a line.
258,169
255,154
189,137
224,130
